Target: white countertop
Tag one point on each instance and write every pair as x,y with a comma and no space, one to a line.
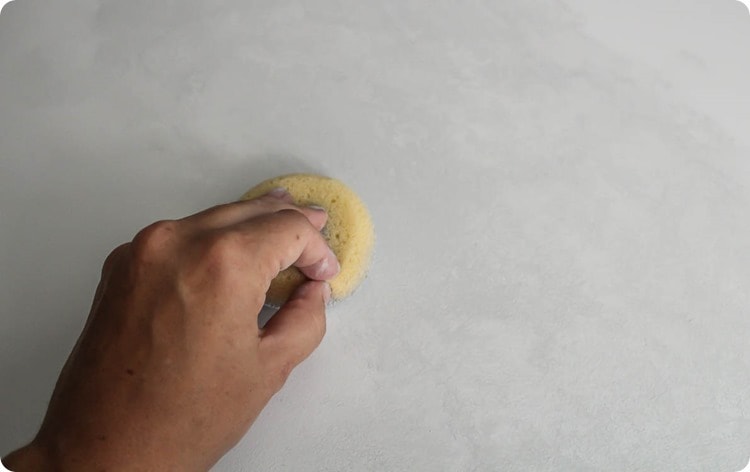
560,190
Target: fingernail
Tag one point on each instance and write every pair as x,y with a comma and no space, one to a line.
316,207
278,192
326,268
327,292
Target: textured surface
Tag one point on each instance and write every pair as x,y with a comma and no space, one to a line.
560,191
348,230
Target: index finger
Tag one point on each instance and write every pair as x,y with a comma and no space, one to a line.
287,238
229,214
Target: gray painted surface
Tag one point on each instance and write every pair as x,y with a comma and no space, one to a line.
560,191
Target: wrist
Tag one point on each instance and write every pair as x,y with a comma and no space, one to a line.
41,456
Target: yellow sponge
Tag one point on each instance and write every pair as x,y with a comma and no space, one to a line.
349,231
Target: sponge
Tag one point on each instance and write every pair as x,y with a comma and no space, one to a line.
349,231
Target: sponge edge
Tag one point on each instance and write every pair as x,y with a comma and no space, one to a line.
349,231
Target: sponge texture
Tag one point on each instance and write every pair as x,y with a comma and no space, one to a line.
349,231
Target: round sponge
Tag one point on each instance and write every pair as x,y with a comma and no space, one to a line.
349,231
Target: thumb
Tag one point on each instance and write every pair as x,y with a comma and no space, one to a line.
296,329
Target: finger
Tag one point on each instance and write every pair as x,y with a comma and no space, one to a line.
229,214
296,329
282,194
285,238
232,213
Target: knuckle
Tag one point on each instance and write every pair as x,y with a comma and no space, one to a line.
223,249
290,220
291,216
113,257
154,239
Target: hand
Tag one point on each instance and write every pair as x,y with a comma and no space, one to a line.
171,368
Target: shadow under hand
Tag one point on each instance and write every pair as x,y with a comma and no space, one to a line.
266,313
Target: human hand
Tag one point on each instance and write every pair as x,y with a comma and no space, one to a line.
171,368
